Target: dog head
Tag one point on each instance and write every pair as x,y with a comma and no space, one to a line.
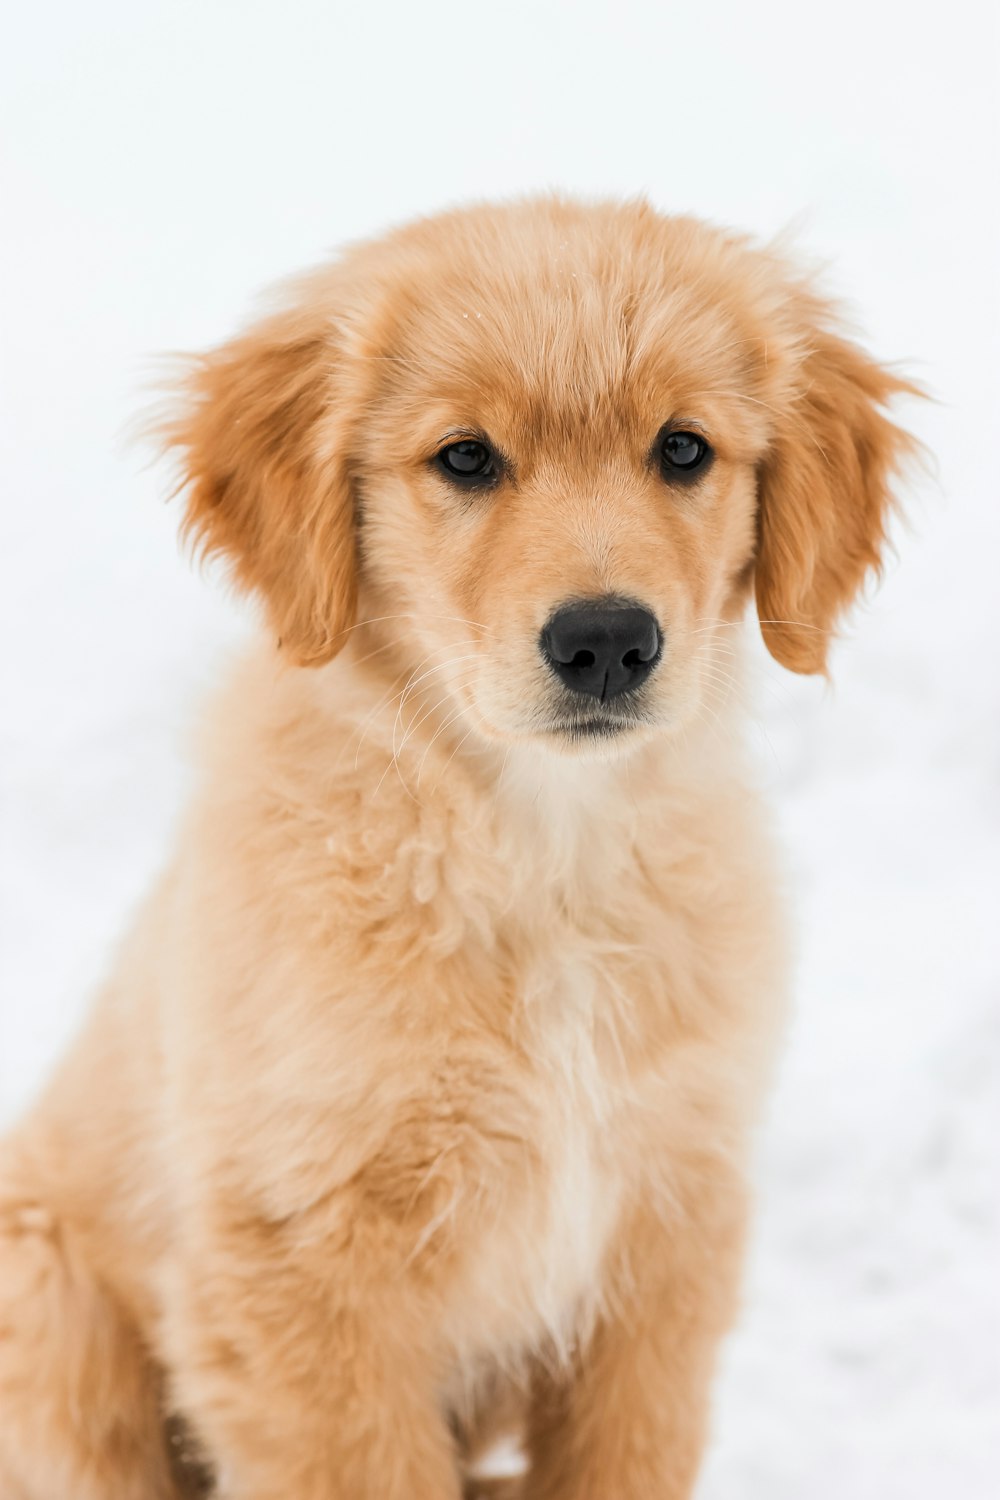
556,449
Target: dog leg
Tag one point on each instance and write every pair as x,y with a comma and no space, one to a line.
495,1423
629,1420
500,1487
299,1380
80,1415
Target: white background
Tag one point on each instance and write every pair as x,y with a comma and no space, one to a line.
162,162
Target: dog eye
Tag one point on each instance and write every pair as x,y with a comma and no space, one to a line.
469,462
682,453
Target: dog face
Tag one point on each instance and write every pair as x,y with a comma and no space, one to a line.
556,449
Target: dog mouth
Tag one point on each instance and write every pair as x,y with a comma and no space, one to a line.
602,726
590,729
573,723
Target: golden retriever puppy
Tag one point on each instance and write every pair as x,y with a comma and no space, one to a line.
427,1072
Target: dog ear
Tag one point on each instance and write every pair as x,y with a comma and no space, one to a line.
825,490
266,479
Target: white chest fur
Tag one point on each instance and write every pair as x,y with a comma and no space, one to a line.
627,957
534,1277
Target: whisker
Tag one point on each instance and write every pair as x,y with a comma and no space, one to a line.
737,624
415,725
458,713
357,661
496,793
410,690
789,414
397,750
390,692
714,728
451,757
441,666
407,615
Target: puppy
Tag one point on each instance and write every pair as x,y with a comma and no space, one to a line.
426,1074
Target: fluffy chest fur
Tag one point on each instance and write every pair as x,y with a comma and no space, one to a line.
533,1274
489,1024
634,939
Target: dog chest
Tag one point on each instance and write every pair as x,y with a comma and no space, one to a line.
535,1273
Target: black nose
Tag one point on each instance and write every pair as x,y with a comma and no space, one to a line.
601,646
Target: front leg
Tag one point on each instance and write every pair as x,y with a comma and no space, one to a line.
628,1420
304,1362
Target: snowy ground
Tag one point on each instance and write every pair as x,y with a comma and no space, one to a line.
162,163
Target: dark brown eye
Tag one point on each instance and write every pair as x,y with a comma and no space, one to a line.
470,462
683,453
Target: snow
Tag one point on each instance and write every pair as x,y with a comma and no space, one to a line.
161,163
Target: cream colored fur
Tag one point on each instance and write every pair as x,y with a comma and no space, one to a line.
427,1074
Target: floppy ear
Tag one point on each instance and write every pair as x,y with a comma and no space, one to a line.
825,493
267,483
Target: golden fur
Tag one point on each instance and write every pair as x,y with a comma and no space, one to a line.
427,1073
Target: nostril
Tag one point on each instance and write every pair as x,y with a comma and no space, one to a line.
602,647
